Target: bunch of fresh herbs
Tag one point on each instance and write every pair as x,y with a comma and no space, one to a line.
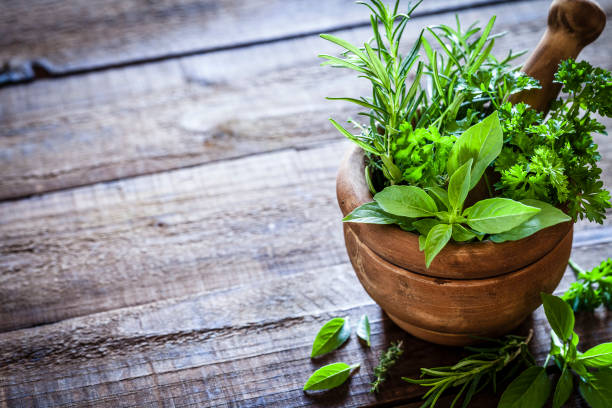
440,124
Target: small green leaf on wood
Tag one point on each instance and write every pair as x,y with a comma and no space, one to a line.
329,376
529,390
563,389
331,336
559,314
363,329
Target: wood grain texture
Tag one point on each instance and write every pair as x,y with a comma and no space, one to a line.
215,349
81,36
137,120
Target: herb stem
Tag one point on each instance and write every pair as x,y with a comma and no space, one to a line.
575,268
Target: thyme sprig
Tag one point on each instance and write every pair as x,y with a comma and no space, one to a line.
474,372
387,360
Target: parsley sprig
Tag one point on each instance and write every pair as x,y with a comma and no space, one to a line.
592,288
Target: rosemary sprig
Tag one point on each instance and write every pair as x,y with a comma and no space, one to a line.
474,372
387,360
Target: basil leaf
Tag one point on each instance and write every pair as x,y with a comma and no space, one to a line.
495,215
329,376
462,234
528,390
425,225
547,217
422,239
440,194
331,336
598,356
363,329
563,389
437,238
371,213
598,391
459,186
559,314
406,201
482,143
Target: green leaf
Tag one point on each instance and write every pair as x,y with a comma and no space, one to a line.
459,186
547,217
598,356
329,376
363,329
371,213
598,391
528,390
563,389
482,143
406,201
440,194
425,225
437,238
422,240
495,215
354,139
559,314
345,44
462,234
331,336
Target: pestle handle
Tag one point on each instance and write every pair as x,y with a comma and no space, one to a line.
572,25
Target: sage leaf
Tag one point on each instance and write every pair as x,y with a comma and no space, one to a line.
548,216
331,336
406,201
598,356
529,390
459,186
559,314
482,143
363,329
437,238
371,213
440,194
329,376
495,215
598,391
563,389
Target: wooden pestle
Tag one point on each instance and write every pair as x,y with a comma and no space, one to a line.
572,25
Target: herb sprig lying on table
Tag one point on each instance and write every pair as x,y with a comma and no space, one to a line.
387,360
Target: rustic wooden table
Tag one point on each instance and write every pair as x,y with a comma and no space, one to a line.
169,234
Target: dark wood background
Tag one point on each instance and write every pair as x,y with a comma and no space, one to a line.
168,228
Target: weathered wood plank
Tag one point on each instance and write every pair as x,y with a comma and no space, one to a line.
138,120
241,347
51,38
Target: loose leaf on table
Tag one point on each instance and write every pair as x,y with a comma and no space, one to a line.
331,336
563,389
482,143
459,186
329,376
529,390
406,201
437,238
559,314
495,215
598,356
598,391
363,329
547,217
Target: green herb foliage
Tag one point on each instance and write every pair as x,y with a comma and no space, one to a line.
363,329
331,336
475,372
555,160
329,376
592,288
438,214
387,360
